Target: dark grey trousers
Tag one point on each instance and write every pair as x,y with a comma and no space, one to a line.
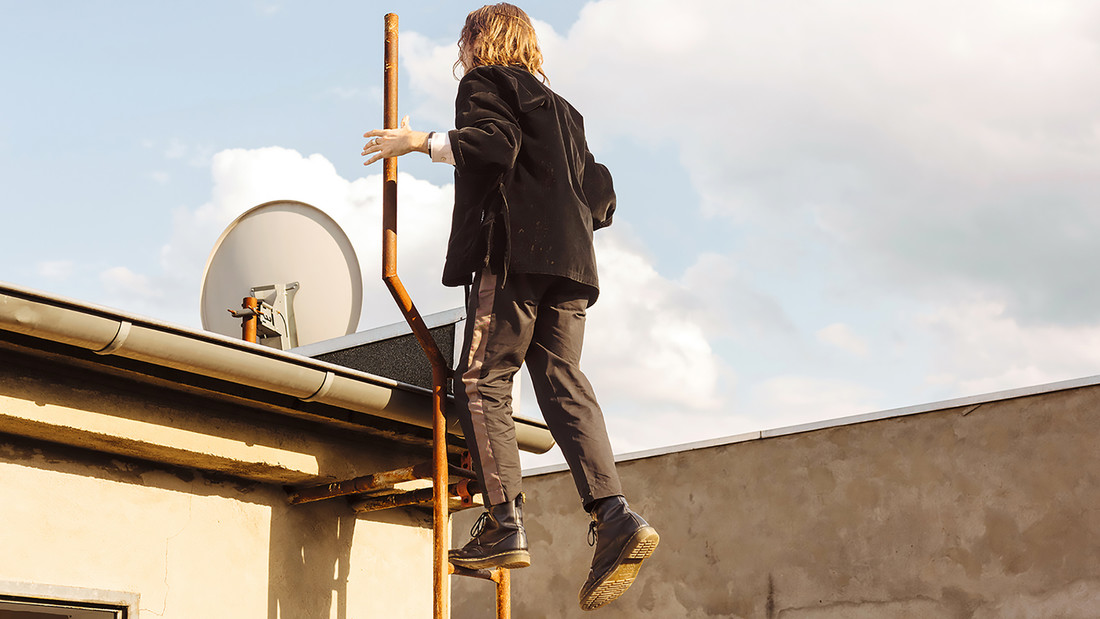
537,319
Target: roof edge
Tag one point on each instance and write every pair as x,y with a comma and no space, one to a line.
107,331
942,405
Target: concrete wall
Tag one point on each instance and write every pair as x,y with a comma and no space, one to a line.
989,511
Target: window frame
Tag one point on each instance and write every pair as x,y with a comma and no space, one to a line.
124,604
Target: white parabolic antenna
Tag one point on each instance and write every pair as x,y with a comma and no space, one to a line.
284,245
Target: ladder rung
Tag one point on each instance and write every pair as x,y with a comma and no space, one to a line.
421,496
484,574
370,483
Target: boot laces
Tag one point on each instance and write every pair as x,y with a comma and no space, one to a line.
593,534
480,524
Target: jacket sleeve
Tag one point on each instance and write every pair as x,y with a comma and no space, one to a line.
487,136
599,192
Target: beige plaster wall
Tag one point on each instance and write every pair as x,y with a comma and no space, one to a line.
987,512
109,483
192,545
69,404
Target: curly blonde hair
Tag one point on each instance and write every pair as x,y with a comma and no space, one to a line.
499,34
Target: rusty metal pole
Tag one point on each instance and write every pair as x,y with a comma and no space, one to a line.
249,322
441,522
389,166
440,368
504,593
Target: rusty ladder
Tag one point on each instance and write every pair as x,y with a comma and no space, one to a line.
377,491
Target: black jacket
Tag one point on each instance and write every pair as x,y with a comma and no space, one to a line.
528,193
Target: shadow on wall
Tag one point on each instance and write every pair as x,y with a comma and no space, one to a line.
313,557
310,558
311,547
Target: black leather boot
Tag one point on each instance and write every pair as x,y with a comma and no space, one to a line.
498,539
622,540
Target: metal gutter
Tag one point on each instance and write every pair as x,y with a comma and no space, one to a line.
107,331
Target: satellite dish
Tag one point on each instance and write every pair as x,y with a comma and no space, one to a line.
300,265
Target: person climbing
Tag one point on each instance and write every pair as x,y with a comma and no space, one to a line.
528,196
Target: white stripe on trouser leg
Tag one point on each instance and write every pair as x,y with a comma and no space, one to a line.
475,360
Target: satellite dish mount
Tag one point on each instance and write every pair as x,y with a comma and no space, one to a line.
267,316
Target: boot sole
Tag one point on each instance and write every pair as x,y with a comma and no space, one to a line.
510,560
620,577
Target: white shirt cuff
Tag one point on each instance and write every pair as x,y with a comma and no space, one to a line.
440,148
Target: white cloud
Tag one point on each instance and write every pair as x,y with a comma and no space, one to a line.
125,288
643,343
728,302
980,349
792,400
931,148
243,179
841,336
431,82
925,154
648,356
910,156
117,278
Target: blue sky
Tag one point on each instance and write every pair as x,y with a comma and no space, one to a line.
825,209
